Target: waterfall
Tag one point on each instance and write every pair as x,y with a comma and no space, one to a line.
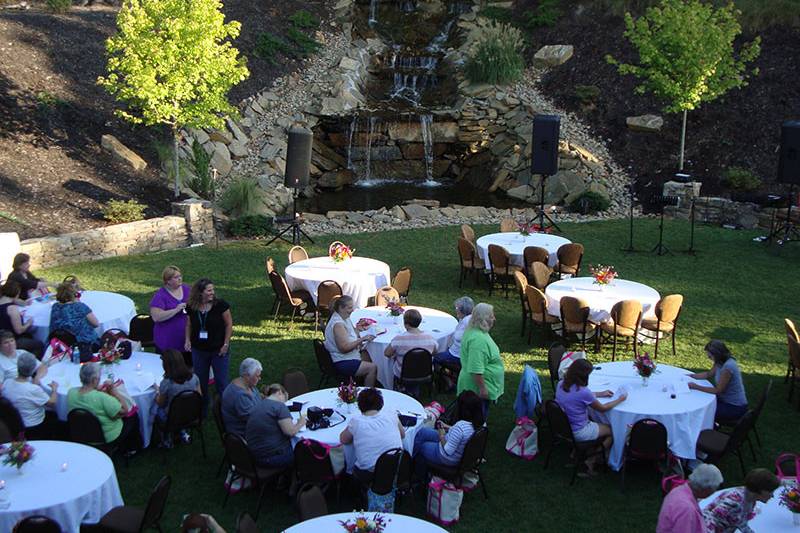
353,126
407,6
368,155
425,122
373,12
441,38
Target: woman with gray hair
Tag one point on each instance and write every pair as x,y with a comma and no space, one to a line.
482,367
240,396
452,356
30,399
680,512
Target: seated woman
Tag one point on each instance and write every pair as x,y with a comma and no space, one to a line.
729,389
30,399
21,273
731,510
177,378
76,317
270,429
680,512
575,398
8,355
240,396
445,444
452,356
345,343
371,433
12,319
405,342
108,405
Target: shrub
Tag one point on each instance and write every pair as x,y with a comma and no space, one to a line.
545,14
741,179
500,14
590,202
200,180
59,6
251,226
496,57
587,94
302,19
120,211
241,197
304,45
269,45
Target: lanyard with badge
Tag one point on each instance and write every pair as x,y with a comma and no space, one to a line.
201,317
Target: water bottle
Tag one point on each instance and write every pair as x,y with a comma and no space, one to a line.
76,355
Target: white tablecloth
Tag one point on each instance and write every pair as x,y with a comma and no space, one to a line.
397,523
601,301
113,311
392,402
438,323
84,492
516,244
360,277
770,517
684,416
9,247
141,373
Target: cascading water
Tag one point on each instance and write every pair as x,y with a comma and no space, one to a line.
373,12
352,132
425,122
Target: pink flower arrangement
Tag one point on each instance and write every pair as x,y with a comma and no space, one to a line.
790,498
644,366
17,453
395,308
526,228
365,323
348,392
362,524
339,251
109,356
603,274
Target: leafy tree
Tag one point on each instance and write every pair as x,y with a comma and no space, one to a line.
686,54
172,63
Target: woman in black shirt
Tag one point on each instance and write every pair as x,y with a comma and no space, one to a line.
208,336
12,319
21,273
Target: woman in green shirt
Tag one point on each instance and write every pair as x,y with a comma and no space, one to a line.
482,368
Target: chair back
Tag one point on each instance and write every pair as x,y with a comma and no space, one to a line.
387,466
10,416
295,382
240,456
85,428
327,291
311,502
559,423
185,410
468,233
385,295
269,265
417,366
668,308
537,301
155,504
324,359
63,335
570,255
762,400
5,433
216,410
521,282
280,287
627,313
245,523
466,251
140,329
791,330
498,258
508,225
297,253
648,440
37,524
574,311
535,254
554,355
474,451
312,463
740,431
794,351
402,281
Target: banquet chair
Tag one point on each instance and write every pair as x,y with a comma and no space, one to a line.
11,418
383,480
561,433
508,225
667,311
647,442
540,276
63,335
470,262
312,464
402,282
327,292
5,433
84,428
245,523
472,459
37,524
794,362
140,329
569,260
295,382
575,319
385,295
269,269
325,364
219,422
535,254
500,268
625,318
537,312
297,253
417,368
521,283
468,234
130,519
791,333
554,355
311,502
243,466
728,425
717,444
295,299
185,412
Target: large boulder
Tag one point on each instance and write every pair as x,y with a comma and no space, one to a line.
336,179
553,55
413,211
221,159
558,187
122,152
646,123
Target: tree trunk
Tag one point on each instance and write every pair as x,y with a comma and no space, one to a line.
683,140
175,165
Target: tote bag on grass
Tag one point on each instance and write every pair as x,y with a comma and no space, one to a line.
523,440
444,501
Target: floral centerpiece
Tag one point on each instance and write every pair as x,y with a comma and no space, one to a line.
526,228
365,323
347,392
644,366
362,524
338,251
603,274
109,356
395,308
17,453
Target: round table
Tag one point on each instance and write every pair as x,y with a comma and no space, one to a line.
397,523
516,243
770,517
684,416
141,374
601,300
84,492
392,401
360,277
439,324
113,311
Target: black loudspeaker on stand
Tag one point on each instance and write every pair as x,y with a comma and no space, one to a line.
662,202
789,173
298,163
544,158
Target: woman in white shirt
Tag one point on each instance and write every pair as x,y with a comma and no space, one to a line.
8,355
30,399
344,342
371,433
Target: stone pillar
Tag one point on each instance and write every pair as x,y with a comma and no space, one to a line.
685,192
199,217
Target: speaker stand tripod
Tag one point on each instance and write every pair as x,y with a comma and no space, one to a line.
542,215
631,197
787,228
691,250
294,227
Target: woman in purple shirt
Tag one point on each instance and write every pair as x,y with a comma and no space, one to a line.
575,399
167,308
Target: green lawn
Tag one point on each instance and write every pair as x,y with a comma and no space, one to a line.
735,289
